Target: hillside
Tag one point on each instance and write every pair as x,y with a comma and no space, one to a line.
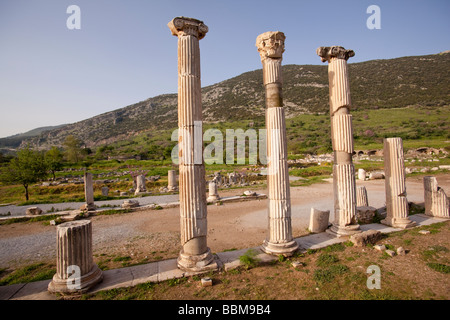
15,140
377,84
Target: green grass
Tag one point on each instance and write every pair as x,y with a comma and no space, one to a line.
439,267
31,273
248,259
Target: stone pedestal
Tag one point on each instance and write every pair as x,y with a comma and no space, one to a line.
344,183
76,271
271,47
89,191
172,180
436,201
213,192
195,254
394,169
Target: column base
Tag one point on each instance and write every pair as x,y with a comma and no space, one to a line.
286,249
212,199
196,263
86,282
172,189
343,231
402,223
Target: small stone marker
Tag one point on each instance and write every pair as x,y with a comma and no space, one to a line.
380,247
33,211
391,253
105,191
297,264
206,282
401,251
424,232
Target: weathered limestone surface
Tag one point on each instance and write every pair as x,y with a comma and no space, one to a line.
365,214
342,140
33,211
361,174
76,271
89,191
271,47
213,192
195,254
318,220
396,202
436,201
366,237
361,197
140,185
172,180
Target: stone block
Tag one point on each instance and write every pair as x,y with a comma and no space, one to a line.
401,251
33,211
206,282
390,253
379,247
365,215
318,221
366,237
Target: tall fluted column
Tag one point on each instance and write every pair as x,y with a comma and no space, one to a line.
342,140
75,268
195,254
394,170
271,47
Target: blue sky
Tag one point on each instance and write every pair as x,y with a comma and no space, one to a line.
124,52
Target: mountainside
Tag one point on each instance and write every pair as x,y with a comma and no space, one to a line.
392,83
16,140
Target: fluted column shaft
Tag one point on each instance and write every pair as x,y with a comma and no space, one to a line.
344,183
280,241
75,268
195,254
395,184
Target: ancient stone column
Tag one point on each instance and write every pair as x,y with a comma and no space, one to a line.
105,191
195,254
76,271
89,191
361,197
271,47
436,201
172,180
213,192
342,140
394,169
140,184
361,174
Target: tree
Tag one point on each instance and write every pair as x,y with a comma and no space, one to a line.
54,160
72,147
27,168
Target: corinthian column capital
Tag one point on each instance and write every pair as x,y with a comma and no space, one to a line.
182,26
327,53
270,44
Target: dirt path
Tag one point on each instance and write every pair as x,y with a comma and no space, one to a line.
154,234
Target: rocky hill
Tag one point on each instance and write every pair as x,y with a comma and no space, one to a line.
392,83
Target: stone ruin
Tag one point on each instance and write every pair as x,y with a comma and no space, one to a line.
195,255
